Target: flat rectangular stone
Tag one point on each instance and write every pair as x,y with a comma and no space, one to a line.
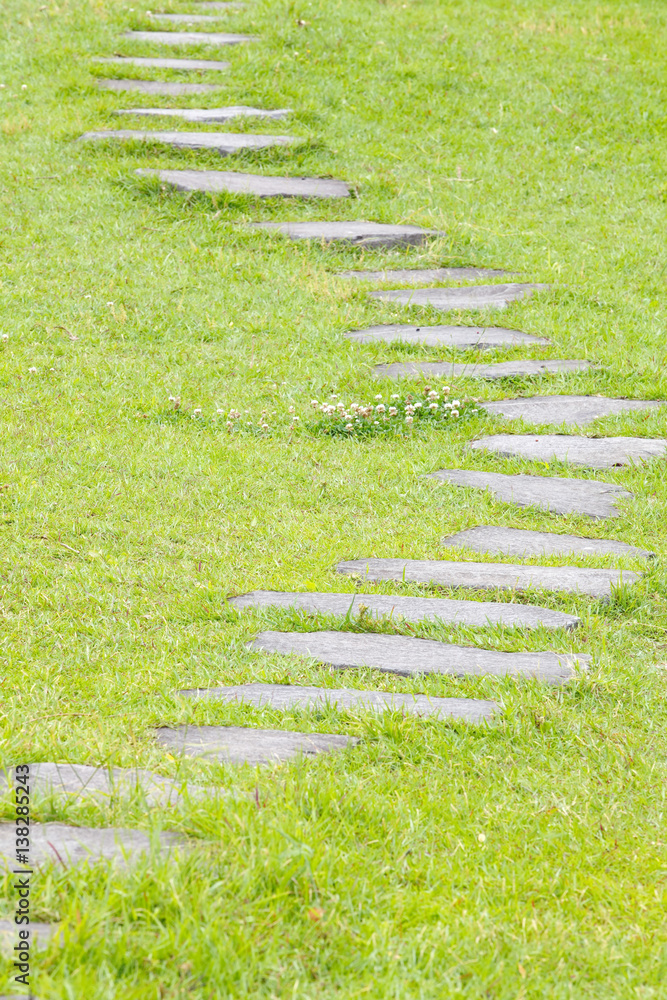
205,114
184,18
358,234
218,5
225,143
463,337
553,493
571,410
40,936
158,63
441,609
408,657
594,453
489,576
477,297
449,369
158,87
413,276
230,182
187,37
286,696
71,845
237,745
498,540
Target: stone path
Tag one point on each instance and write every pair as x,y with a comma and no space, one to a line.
187,37
408,657
451,612
287,696
158,87
84,780
159,63
497,540
360,234
553,493
594,453
504,369
225,143
410,276
219,181
476,297
442,336
571,410
237,745
185,18
205,114
489,576
63,844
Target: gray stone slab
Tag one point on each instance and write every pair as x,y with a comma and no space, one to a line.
553,493
489,576
65,844
218,181
408,657
575,411
166,88
504,369
184,18
187,37
237,745
205,114
286,696
446,610
413,276
358,233
218,5
477,297
442,336
498,540
225,143
594,453
40,936
86,781
157,63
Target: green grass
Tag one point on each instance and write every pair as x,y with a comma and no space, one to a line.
521,860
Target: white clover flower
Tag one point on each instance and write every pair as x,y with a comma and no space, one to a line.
392,411
32,369
417,406
229,425
334,395
409,419
314,404
380,408
4,337
456,402
433,394
295,419
427,389
354,407
264,427
220,413
197,411
349,427
290,409
395,396
379,396
455,413
433,406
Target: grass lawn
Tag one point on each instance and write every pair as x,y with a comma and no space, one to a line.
523,859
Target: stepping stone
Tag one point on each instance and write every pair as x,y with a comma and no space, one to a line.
477,297
219,5
443,336
594,453
553,493
237,745
217,181
205,114
84,780
158,87
180,64
40,936
489,576
59,842
359,234
224,143
285,696
571,410
410,276
441,609
497,540
185,18
187,37
407,657
449,369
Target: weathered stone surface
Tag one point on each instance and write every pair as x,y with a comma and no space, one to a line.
477,297
594,453
408,657
187,37
185,18
359,234
571,410
552,493
451,612
237,745
217,181
284,696
412,276
58,842
159,63
40,936
224,143
497,540
442,336
489,576
158,87
205,114
449,369
219,5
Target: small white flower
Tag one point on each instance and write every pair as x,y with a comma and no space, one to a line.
24,86
456,402
455,413
417,406
380,408
314,403
295,419
109,303
32,369
433,394
229,425
379,396
433,406
392,411
197,411
409,419
354,407
265,427
395,396
349,427
5,337
290,409
220,413
481,837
